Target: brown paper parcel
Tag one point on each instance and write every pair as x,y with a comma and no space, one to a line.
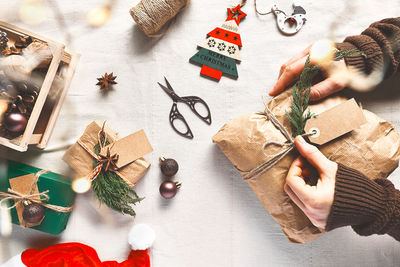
82,162
373,149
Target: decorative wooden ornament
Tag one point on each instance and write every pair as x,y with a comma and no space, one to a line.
219,53
290,24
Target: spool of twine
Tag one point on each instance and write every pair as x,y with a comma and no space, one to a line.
151,15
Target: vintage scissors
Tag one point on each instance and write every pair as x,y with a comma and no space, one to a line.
191,101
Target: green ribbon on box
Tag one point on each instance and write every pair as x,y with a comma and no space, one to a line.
60,194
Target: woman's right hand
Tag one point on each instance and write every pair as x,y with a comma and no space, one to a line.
291,70
314,201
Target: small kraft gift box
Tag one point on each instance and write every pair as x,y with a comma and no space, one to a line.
112,165
35,74
38,199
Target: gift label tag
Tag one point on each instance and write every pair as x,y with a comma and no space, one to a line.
23,185
130,148
335,122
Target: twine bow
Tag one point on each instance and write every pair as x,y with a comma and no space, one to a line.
275,158
31,197
106,161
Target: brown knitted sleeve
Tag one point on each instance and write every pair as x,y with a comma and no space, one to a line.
380,43
369,206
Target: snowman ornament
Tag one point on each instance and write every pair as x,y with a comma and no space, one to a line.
290,25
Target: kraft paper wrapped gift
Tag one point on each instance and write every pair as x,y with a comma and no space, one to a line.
133,149
373,149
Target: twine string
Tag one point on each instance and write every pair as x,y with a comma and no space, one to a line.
151,15
243,3
106,161
274,158
31,197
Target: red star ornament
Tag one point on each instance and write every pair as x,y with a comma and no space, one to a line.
236,14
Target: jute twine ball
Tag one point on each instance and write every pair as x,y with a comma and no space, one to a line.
151,15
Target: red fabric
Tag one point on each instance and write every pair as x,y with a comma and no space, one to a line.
78,255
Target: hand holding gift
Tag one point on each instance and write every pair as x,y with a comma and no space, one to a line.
314,201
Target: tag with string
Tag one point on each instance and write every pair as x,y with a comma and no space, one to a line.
23,185
335,122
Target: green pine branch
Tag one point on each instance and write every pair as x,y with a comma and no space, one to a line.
111,190
299,113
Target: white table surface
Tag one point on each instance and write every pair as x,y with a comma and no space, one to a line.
215,220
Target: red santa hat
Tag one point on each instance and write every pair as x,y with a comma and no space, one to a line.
141,237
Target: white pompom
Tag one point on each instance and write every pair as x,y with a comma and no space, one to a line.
141,237
297,2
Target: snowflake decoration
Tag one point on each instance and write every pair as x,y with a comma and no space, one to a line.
231,50
211,43
221,46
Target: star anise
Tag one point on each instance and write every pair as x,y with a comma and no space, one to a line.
109,160
106,81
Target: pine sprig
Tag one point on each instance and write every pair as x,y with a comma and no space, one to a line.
299,113
340,54
111,190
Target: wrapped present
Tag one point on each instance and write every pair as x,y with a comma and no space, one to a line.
37,198
373,148
112,164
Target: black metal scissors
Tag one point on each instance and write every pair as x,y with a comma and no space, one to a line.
191,101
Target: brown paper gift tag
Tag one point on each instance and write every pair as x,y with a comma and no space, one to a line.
82,162
23,185
335,122
129,148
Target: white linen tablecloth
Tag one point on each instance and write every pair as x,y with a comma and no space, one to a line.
215,220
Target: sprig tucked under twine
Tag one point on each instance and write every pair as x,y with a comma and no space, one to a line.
31,197
298,116
300,113
110,187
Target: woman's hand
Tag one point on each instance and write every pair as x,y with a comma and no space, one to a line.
291,70
314,201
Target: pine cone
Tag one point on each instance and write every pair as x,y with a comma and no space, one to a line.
3,40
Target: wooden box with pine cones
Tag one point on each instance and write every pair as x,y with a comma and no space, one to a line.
35,74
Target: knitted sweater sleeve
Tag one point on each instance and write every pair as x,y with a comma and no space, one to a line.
380,43
369,206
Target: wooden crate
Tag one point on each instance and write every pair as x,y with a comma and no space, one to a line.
45,112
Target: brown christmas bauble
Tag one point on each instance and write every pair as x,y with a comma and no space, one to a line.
169,167
169,189
15,122
33,213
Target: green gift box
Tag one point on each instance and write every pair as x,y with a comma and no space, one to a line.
60,194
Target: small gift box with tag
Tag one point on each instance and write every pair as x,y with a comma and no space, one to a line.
113,165
37,199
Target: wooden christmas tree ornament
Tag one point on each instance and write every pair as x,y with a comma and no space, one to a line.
219,53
